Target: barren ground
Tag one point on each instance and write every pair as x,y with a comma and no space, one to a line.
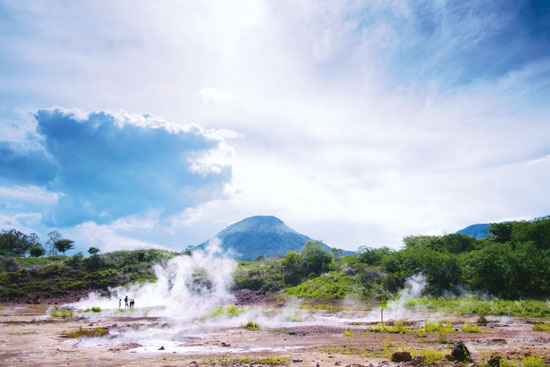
30,337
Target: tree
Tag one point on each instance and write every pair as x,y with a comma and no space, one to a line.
54,236
37,250
291,268
93,251
314,258
501,231
64,246
15,243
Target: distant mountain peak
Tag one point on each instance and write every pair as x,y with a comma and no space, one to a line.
260,235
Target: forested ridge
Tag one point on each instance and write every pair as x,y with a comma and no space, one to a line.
512,263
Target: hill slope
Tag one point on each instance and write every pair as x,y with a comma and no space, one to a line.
260,236
479,231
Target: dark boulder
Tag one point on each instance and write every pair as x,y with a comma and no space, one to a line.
460,353
401,357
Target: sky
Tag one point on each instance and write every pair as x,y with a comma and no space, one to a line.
138,124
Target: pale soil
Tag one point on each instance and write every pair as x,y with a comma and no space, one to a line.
28,337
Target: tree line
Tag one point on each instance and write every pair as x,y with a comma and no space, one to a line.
18,244
512,262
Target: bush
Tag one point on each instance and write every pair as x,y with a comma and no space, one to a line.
86,332
251,325
329,285
541,326
62,313
469,328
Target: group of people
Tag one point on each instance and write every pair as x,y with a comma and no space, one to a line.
128,302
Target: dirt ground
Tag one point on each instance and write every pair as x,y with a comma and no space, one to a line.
31,337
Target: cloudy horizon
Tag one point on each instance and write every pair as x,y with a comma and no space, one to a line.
134,125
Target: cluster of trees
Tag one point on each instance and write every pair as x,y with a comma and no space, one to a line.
513,262
31,279
18,244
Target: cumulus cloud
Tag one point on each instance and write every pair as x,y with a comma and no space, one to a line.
102,166
361,122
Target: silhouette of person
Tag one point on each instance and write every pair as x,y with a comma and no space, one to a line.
126,302
119,302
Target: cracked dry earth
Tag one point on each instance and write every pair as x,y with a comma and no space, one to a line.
29,337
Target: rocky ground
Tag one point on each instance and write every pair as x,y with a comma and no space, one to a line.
30,336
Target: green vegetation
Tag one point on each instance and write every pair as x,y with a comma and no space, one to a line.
541,326
251,325
529,361
440,327
16,243
86,332
533,361
512,265
430,357
93,309
321,307
223,311
55,276
469,328
398,328
246,360
496,307
329,285
62,313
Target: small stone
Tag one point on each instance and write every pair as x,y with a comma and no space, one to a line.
162,347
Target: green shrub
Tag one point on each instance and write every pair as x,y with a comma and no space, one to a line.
93,309
533,361
86,332
431,357
398,328
541,326
469,328
223,311
440,327
251,325
329,285
62,313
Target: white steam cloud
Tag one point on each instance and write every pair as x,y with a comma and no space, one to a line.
186,288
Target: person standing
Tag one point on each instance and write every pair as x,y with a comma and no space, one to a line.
125,302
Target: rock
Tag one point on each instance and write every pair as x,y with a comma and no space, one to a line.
297,360
225,345
355,365
460,353
337,363
494,361
417,360
401,357
162,347
449,357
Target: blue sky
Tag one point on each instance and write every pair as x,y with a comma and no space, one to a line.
134,124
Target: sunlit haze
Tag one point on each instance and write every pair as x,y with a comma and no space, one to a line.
138,124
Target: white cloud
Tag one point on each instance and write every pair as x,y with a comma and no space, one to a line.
336,137
107,238
539,162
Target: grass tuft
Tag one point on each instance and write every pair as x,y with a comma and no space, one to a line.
469,328
93,309
251,325
541,326
86,332
65,314
398,328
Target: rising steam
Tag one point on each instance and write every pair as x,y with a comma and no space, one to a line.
186,288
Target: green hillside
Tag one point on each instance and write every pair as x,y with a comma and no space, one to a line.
257,236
